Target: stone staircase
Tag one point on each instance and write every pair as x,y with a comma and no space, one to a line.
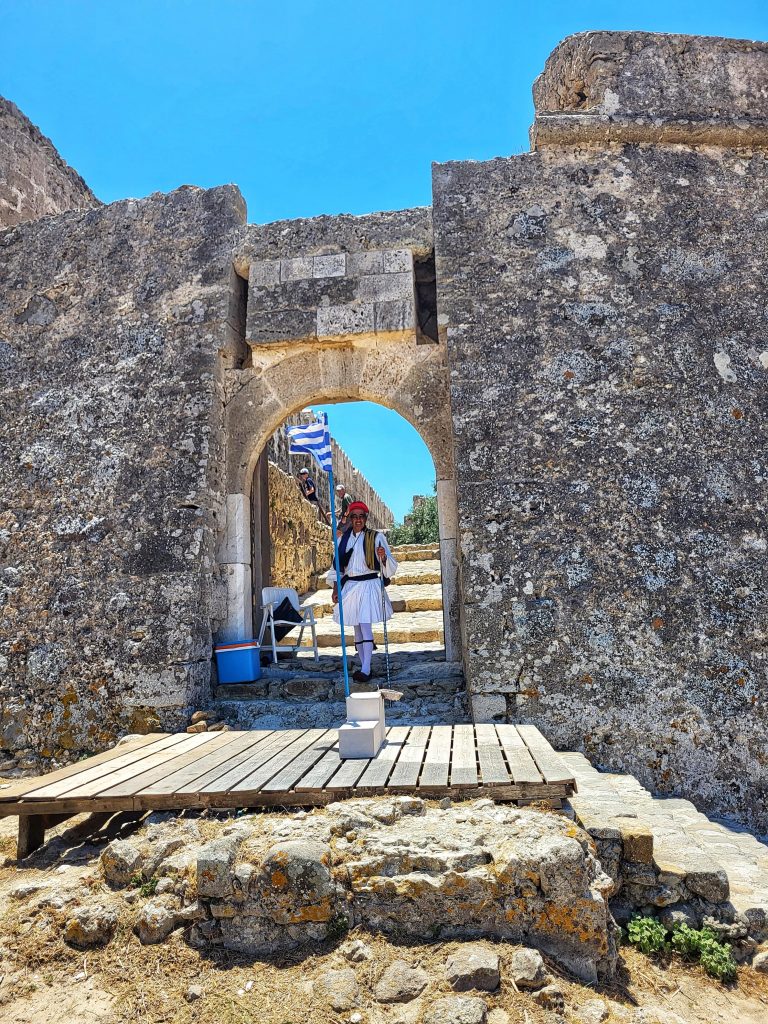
299,692
662,851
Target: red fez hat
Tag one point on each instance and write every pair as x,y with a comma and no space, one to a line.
358,506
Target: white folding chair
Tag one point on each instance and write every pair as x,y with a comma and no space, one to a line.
271,598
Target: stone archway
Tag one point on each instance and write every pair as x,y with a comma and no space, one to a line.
403,374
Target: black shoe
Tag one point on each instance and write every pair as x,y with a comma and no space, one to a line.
361,677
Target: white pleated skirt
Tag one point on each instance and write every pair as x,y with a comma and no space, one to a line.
363,603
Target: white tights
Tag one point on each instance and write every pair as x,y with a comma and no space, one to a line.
364,645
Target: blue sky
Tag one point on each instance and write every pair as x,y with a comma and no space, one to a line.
310,107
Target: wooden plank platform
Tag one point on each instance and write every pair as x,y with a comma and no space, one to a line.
290,767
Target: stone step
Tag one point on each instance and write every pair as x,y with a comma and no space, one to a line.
308,687
417,572
421,597
267,713
416,552
435,648
403,627
668,846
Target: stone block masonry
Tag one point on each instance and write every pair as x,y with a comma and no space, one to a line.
302,547
115,325
34,180
609,299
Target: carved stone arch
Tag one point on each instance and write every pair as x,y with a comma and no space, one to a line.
402,374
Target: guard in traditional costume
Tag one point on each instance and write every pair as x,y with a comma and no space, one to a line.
364,556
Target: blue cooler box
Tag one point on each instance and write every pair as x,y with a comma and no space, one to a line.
238,663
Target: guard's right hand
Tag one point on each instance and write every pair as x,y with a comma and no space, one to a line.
335,596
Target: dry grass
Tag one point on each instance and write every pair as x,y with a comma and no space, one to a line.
148,983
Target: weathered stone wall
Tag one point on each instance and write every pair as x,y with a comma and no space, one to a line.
343,472
115,326
34,180
606,335
302,547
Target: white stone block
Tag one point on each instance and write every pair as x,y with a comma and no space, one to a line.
365,707
489,707
264,274
384,287
237,542
360,739
239,608
397,316
296,269
354,318
329,266
359,263
397,261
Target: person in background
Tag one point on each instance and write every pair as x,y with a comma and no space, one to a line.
342,509
363,554
309,490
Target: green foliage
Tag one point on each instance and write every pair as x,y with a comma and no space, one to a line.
703,945
648,934
147,888
422,525
337,927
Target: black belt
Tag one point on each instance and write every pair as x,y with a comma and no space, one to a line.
368,576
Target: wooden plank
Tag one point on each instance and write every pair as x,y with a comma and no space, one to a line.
553,768
522,767
408,767
380,767
317,777
58,789
437,759
286,779
211,764
100,785
257,779
17,790
348,772
190,755
250,760
493,767
463,757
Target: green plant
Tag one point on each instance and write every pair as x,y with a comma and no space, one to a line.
337,926
687,941
702,944
648,934
717,960
147,888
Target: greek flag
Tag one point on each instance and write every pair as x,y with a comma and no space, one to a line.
312,439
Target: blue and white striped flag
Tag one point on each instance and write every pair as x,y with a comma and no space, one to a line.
312,439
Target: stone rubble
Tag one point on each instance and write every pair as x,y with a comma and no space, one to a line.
473,967
400,983
527,969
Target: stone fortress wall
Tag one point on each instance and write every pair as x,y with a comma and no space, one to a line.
604,291
34,180
343,472
607,291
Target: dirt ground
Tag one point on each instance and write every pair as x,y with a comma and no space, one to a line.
44,981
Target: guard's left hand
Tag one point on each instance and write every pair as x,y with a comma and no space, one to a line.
382,554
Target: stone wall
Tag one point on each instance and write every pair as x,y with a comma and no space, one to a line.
302,547
343,471
116,326
606,335
34,180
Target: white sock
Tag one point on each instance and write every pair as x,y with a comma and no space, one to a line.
364,644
